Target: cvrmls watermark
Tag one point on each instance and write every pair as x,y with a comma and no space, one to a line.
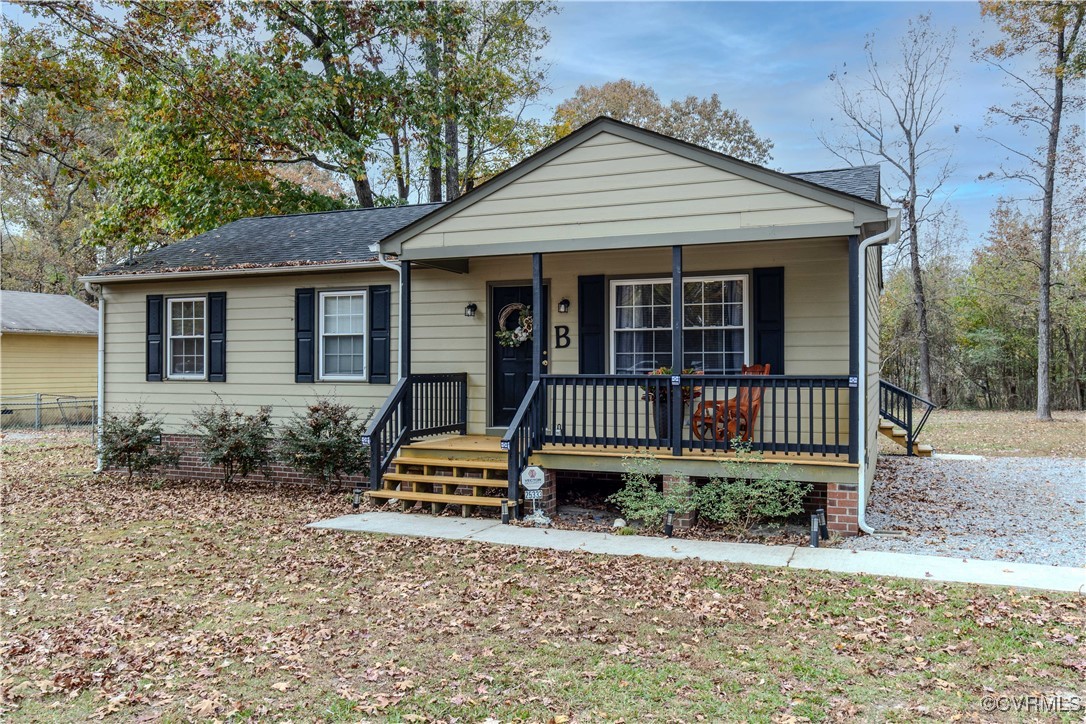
1033,703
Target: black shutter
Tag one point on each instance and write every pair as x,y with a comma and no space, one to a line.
592,324
768,316
305,335
381,334
155,310
216,337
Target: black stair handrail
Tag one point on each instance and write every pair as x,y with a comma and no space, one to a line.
897,405
420,405
524,435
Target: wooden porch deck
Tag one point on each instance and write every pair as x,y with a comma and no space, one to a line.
489,447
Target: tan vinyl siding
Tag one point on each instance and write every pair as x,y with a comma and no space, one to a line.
50,364
259,344
816,305
610,186
874,259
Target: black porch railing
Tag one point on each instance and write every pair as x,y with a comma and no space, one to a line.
419,406
524,435
773,413
899,406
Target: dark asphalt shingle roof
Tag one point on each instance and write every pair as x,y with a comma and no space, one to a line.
860,181
270,241
344,236
57,313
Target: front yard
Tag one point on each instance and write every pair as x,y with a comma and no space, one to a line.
174,601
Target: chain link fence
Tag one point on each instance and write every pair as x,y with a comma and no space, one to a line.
44,411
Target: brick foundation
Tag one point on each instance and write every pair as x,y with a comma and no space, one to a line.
549,503
682,521
842,508
191,466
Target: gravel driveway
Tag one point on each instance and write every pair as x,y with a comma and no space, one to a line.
1014,509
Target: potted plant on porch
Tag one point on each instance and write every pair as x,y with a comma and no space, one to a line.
659,394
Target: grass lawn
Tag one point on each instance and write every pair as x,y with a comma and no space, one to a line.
1017,434
174,601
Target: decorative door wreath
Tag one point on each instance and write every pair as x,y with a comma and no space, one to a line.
523,332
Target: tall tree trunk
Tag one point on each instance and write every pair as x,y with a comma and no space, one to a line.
433,128
398,167
452,112
920,305
452,160
363,191
469,163
1044,300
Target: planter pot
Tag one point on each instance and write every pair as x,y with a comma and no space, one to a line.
661,418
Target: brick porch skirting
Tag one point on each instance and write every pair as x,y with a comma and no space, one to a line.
191,466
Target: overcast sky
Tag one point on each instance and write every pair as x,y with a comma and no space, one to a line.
771,62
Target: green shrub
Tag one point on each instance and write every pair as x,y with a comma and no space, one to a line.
749,491
240,443
641,497
325,442
133,441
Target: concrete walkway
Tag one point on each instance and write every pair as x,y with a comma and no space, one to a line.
840,560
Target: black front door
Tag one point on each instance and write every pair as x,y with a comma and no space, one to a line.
511,367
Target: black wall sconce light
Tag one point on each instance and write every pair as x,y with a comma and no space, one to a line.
563,306
469,311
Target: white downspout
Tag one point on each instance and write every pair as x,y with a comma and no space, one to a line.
893,228
100,294
394,266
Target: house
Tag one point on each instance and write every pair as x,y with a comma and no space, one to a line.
48,353
516,325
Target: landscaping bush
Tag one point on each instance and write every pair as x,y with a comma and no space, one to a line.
133,441
325,442
641,498
240,443
749,491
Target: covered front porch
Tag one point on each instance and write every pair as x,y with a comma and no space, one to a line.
587,407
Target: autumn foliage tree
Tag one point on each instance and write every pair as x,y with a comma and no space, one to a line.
702,121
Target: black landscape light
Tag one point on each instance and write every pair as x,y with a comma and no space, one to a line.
814,530
469,311
505,511
669,523
823,530
357,497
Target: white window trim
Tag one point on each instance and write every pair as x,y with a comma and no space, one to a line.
613,321
365,335
170,375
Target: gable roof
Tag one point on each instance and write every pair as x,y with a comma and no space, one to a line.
846,189
296,240
46,313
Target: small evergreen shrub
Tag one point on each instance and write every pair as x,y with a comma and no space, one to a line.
133,441
239,442
641,497
749,491
325,442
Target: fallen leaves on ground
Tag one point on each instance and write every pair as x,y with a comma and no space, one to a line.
172,600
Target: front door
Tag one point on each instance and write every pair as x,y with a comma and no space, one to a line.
511,367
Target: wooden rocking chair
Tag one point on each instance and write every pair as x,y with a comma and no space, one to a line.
732,418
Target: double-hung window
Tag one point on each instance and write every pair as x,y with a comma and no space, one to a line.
715,324
187,341
342,317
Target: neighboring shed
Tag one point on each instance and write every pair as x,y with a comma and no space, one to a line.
48,346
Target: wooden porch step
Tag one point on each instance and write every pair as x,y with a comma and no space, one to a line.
901,437
437,498
446,480
421,461
923,451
